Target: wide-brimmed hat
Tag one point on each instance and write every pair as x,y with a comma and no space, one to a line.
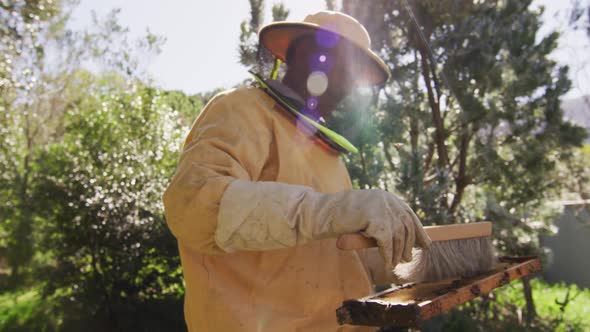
329,28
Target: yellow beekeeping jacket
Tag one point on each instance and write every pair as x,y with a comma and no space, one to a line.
244,134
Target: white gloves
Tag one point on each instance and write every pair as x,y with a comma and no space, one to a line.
272,215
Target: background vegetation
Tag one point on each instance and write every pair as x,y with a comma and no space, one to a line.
470,128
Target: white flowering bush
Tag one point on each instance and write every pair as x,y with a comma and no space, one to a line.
99,196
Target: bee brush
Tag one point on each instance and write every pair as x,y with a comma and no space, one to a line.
459,250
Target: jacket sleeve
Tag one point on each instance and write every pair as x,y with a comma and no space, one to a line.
230,140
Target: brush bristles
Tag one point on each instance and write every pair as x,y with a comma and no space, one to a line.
449,259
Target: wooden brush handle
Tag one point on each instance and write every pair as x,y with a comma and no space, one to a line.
436,233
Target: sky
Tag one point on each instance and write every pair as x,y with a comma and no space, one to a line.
201,49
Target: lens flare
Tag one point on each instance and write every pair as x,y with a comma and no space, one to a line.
327,38
321,61
312,103
317,83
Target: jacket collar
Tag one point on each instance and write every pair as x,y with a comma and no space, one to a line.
294,99
297,109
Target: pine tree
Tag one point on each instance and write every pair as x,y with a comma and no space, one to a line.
470,127
252,55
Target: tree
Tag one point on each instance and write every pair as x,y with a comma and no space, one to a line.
187,107
35,97
252,55
476,100
574,173
330,5
21,31
87,159
110,255
579,16
470,127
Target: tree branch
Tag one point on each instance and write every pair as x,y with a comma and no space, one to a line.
388,156
429,156
461,180
435,108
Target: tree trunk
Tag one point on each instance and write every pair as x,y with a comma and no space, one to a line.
461,180
531,312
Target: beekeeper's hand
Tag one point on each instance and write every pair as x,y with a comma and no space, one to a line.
271,215
380,215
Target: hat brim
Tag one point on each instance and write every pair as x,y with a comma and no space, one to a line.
276,37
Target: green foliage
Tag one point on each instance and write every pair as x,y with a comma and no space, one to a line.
564,305
99,192
187,107
248,47
574,173
279,12
560,307
35,95
20,26
470,126
22,31
86,159
27,310
252,55
22,311
356,121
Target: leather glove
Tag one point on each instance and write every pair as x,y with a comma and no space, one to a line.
272,215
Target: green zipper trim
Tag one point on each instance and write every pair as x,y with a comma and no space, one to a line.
337,138
275,69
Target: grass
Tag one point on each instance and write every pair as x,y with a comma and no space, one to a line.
505,310
549,299
25,310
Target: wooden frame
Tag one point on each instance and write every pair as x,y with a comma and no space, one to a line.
410,304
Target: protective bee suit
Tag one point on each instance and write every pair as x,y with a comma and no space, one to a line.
256,205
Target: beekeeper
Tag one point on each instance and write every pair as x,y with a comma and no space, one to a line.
261,193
